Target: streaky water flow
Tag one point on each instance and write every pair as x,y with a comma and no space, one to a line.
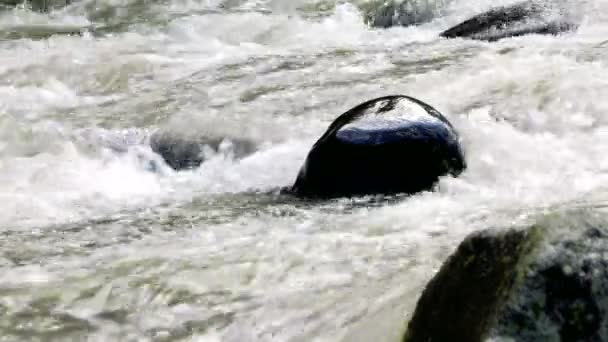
95,246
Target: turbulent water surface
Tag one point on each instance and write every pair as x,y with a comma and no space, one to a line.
95,246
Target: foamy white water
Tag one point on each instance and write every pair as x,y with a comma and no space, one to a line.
96,246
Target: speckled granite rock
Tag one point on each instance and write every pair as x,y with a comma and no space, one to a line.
547,282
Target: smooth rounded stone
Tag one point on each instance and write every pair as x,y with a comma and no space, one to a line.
389,13
547,281
389,145
529,17
186,153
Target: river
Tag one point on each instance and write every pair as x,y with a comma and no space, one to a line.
95,246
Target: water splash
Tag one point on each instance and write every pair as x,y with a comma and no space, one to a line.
96,243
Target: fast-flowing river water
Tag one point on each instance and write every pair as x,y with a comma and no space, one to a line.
95,246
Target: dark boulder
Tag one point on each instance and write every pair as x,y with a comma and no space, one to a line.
388,13
186,153
529,17
548,282
389,145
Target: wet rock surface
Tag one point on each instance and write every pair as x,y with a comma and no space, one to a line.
388,145
529,17
187,153
389,13
461,302
548,282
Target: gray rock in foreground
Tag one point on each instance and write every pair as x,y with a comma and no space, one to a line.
548,282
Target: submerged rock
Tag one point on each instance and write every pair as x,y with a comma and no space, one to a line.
388,13
389,145
545,283
186,153
529,17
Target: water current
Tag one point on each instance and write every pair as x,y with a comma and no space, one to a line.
94,246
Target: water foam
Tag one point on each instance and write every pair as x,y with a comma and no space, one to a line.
76,111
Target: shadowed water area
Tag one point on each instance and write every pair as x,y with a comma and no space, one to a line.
96,246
